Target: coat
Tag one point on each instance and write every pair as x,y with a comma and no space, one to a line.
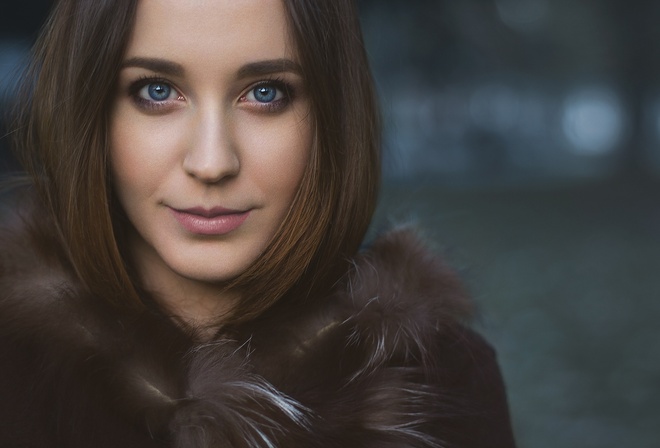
383,360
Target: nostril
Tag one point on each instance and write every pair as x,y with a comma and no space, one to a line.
212,171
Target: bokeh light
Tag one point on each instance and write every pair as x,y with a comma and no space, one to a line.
594,120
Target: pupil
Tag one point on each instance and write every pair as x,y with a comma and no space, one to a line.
159,92
264,94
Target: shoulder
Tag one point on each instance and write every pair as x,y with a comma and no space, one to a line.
64,354
472,381
402,295
422,301
419,302
387,358
38,293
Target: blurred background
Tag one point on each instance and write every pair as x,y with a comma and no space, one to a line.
522,137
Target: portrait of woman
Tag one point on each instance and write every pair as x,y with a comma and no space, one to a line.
186,267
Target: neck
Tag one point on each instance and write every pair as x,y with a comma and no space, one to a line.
196,305
202,312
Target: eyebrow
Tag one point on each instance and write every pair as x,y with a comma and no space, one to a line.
259,68
157,65
268,67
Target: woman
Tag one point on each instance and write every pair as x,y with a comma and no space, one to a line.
187,274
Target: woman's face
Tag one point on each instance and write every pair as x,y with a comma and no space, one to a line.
210,135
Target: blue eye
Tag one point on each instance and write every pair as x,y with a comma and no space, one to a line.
268,96
155,95
265,94
159,91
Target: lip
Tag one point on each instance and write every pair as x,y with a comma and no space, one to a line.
213,221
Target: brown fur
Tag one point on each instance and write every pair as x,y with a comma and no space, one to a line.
359,367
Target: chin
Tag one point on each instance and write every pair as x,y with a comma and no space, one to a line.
211,270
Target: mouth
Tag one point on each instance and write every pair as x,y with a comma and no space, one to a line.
210,212
213,221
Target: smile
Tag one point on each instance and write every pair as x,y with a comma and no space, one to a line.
215,221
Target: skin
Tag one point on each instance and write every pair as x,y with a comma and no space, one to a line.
196,133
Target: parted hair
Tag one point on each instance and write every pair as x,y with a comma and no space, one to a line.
61,138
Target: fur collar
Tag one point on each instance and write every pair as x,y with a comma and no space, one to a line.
359,367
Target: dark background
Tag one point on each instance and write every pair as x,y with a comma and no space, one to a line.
523,138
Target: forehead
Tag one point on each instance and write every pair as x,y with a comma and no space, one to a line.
200,30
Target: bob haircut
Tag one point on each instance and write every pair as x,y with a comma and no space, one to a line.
61,138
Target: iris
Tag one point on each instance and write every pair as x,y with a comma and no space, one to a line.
265,94
159,92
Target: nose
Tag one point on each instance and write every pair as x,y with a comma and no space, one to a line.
211,155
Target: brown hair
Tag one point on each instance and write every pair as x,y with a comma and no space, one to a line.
62,140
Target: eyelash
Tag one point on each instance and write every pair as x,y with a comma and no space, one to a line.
283,87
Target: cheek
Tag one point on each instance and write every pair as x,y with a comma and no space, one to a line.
279,156
140,153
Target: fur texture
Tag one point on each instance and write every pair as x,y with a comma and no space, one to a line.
362,367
